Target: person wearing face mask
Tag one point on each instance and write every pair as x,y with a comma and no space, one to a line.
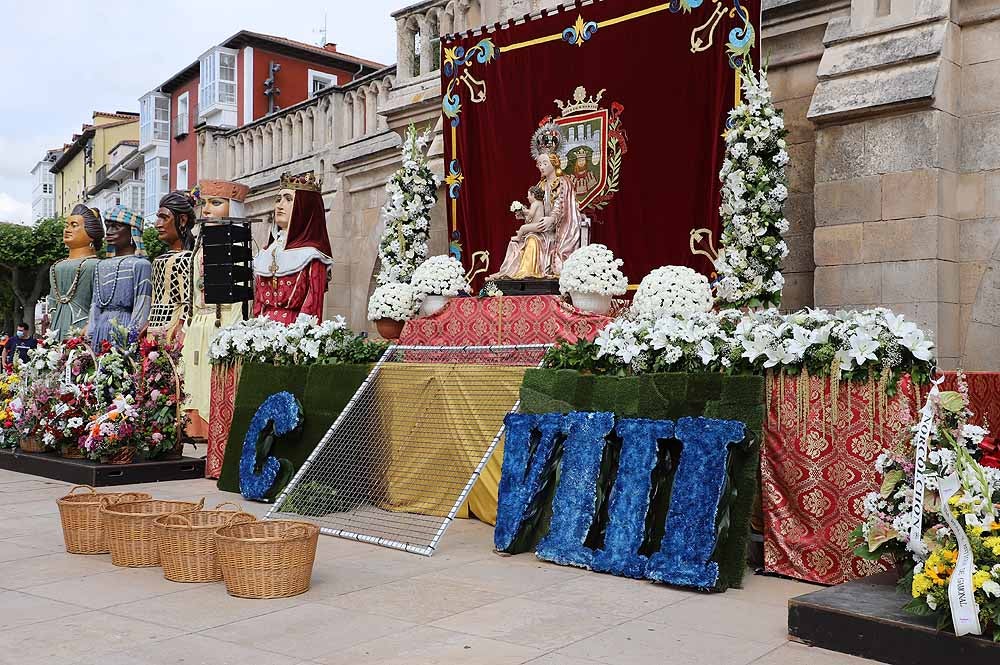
18,345
71,280
218,199
172,269
291,273
122,286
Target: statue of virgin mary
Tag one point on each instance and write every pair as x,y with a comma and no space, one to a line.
541,250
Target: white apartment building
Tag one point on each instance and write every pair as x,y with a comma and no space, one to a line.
120,180
43,197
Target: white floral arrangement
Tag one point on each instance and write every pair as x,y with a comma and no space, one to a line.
754,191
848,345
440,275
398,302
410,195
517,207
306,341
672,290
593,269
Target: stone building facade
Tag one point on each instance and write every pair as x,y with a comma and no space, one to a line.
893,108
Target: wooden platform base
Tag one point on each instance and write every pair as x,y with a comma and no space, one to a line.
863,618
85,472
528,287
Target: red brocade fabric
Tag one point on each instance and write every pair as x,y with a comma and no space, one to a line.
816,472
225,380
984,396
299,293
674,122
502,320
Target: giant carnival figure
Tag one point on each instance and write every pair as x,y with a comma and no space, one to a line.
541,246
71,280
291,273
172,269
219,199
122,288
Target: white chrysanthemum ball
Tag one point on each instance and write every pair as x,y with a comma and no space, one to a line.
672,290
593,269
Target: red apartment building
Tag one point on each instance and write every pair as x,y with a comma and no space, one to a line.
228,86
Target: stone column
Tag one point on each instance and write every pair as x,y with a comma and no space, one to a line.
886,159
426,57
404,48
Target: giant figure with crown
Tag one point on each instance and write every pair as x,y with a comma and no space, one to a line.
291,272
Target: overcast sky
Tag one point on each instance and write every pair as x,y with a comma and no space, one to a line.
62,60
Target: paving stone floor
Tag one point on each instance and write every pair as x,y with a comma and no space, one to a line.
367,605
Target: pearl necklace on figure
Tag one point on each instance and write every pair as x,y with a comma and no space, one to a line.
114,285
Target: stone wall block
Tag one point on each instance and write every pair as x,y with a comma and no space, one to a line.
981,42
798,291
910,240
980,148
981,88
801,167
970,275
910,194
800,128
948,90
977,238
915,281
848,201
992,194
982,347
963,195
857,93
800,253
836,286
839,245
902,143
840,152
799,212
882,50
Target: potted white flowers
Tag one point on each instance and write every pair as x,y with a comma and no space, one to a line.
392,305
438,280
591,276
672,290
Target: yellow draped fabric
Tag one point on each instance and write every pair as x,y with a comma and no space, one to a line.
529,259
424,473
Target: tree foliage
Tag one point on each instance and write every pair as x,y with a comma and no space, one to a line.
154,246
26,253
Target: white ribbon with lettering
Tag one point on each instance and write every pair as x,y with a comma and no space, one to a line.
920,440
964,608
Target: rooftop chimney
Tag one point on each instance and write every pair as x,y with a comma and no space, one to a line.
330,46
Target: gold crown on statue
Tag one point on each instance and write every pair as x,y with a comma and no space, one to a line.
580,102
306,181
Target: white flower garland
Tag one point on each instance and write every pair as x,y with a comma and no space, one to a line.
410,196
672,290
440,275
593,269
262,340
754,190
398,302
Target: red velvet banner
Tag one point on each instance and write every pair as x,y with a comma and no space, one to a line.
666,84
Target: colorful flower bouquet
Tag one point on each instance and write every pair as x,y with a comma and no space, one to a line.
159,393
9,386
69,414
115,434
951,533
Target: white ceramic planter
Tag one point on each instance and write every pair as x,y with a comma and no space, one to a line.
433,304
596,303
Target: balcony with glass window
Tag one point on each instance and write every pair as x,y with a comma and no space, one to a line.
154,122
182,123
217,89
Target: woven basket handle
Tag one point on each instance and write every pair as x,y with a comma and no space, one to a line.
227,503
129,496
201,503
241,518
295,531
169,517
86,487
109,500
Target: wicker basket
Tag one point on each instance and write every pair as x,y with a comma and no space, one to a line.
187,542
80,515
271,559
129,525
31,444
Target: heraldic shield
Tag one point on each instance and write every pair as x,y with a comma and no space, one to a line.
592,146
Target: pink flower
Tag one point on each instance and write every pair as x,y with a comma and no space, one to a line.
155,394
157,437
153,355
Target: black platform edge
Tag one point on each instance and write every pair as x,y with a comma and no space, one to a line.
85,472
864,618
528,287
